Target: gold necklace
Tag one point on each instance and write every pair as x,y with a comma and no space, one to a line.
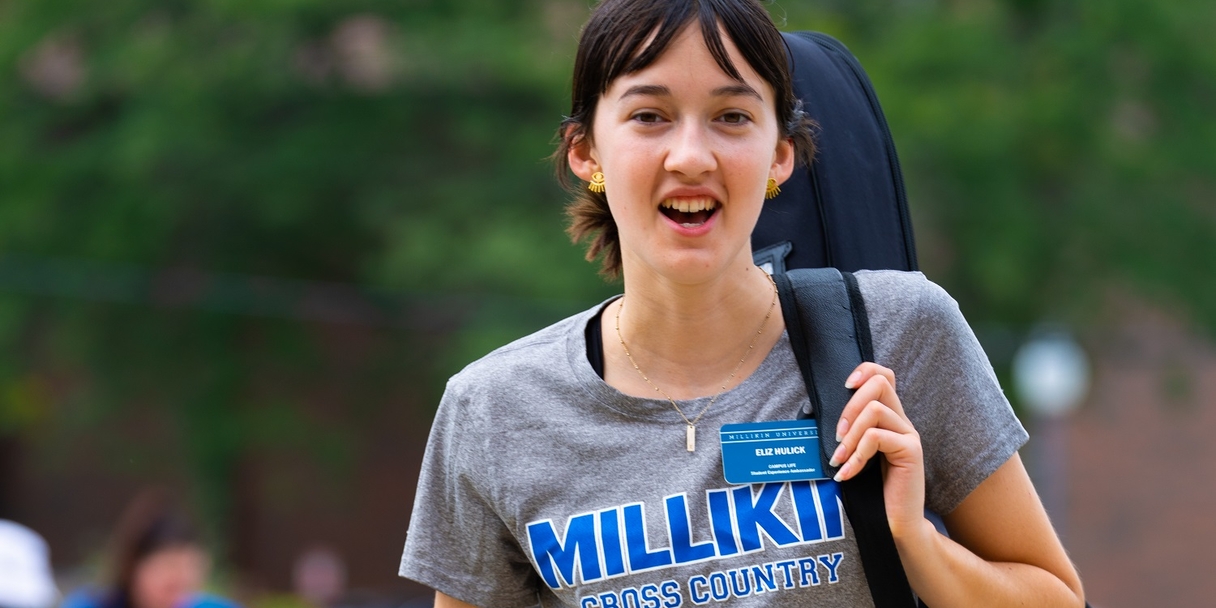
691,431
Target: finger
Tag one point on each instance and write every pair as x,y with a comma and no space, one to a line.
895,446
863,372
875,415
880,388
876,387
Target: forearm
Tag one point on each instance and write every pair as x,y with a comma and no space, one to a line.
447,601
946,574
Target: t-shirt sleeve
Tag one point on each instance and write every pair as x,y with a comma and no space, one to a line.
457,543
945,383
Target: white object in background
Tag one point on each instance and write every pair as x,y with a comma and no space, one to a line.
1051,373
25,569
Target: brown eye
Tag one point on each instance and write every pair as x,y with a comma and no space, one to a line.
647,117
734,118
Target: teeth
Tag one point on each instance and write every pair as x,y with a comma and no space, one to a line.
689,205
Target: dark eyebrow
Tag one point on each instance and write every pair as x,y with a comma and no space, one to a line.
736,89
658,90
654,90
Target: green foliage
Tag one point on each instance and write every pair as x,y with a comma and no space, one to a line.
399,147
1054,151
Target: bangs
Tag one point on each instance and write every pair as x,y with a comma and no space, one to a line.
666,31
641,41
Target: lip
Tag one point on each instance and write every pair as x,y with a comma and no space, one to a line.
692,192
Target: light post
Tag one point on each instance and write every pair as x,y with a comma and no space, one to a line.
1051,374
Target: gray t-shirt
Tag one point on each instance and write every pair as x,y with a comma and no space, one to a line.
544,486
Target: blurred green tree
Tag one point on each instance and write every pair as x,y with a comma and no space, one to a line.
164,165
1057,153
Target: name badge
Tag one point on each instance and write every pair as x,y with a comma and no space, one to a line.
780,450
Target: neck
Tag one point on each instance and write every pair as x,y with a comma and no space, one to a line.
689,338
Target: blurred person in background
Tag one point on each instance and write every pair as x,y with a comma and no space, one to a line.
156,560
25,569
319,576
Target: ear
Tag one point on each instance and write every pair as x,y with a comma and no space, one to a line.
783,160
581,155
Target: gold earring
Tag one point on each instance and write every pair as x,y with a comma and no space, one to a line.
771,190
596,184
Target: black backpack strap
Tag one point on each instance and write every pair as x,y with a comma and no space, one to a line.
830,335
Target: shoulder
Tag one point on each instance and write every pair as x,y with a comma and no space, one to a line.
908,313
890,291
534,371
83,598
899,302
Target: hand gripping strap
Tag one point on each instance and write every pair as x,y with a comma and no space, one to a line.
830,335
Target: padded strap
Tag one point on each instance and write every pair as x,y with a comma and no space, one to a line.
830,335
820,324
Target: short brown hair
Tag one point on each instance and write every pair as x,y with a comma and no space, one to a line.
612,44
151,523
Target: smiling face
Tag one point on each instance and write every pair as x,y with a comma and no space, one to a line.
686,151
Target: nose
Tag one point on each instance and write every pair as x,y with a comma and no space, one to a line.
691,153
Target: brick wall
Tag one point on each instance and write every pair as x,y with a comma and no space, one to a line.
1141,469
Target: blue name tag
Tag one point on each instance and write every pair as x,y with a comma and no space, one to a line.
781,450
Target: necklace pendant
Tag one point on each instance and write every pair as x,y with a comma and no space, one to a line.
691,436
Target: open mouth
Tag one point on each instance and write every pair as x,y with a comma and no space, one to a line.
689,212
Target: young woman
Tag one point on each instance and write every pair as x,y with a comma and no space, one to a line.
580,466
156,560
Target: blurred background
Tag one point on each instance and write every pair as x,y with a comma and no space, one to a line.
243,243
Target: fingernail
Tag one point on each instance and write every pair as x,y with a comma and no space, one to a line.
839,475
835,461
841,429
852,381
